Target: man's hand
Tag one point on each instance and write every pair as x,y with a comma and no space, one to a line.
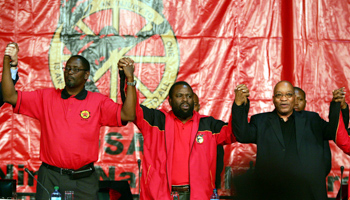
12,51
339,96
242,94
127,65
9,93
128,112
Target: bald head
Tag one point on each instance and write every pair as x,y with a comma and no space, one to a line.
283,84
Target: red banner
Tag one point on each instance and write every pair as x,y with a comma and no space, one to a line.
213,45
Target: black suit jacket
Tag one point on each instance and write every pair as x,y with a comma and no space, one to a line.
264,130
1,99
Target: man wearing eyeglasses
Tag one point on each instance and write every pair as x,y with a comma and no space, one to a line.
70,122
290,154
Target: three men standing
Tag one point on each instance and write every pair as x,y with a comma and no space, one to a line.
179,145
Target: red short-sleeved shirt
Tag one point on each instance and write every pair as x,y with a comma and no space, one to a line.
70,125
181,157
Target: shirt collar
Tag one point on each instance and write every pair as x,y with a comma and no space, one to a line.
292,116
80,96
174,116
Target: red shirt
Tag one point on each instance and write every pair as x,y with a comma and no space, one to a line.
182,136
70,125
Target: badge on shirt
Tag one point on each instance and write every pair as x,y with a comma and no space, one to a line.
200,139
85,114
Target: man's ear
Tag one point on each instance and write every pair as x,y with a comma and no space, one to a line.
87,74
169,100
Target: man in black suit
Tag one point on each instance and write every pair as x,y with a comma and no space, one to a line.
338,95
12,51
289,161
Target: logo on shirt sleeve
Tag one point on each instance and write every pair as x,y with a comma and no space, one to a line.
85,114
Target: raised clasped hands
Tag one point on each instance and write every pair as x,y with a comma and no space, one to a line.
12,51
127,65
339,96
241,94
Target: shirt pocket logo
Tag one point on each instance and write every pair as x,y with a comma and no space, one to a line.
85,114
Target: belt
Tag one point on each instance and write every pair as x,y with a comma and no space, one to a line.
180,188
67,171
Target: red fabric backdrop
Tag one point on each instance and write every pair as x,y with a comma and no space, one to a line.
213,45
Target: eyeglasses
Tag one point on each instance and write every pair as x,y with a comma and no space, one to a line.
73,70
279,95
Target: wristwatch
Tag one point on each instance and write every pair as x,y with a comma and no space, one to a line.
11,65
131,83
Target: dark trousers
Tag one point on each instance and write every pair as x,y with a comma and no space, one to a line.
84,188
184,195
181,195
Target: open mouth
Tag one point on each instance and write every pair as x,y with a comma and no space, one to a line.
185,106
284,105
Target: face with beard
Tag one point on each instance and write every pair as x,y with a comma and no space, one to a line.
181,102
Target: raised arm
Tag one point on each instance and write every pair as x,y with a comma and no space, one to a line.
342,138
339,96
8,89
241,94
240,109
128,112
336,109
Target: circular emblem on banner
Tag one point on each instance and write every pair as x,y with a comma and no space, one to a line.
85,114
200,139
103,31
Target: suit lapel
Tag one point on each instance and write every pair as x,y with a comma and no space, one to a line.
273,118
299,126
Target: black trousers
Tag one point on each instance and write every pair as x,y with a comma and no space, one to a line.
84,188
182,196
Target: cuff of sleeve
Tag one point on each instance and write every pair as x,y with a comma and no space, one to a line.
19,97
119,119
243,106
14,73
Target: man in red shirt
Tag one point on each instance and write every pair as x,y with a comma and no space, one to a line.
179,148
220,149
70,122
342,138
